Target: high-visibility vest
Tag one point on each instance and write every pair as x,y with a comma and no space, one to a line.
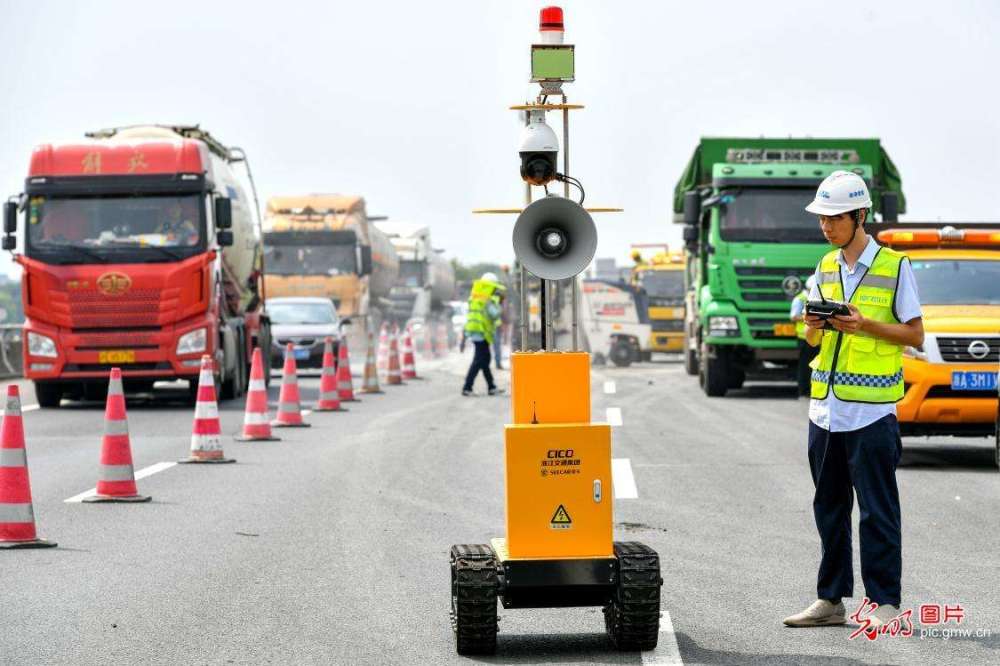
858,366
478,320
800,325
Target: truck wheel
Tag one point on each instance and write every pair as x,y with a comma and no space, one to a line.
474,599
736,378
691,362
621,354
632,615
48,394
714,372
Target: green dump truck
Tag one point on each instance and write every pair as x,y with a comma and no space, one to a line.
750,246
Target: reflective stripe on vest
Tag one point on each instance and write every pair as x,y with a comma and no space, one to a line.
868,369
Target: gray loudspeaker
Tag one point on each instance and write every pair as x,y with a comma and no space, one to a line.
555,238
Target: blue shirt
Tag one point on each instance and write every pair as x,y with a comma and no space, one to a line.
833,414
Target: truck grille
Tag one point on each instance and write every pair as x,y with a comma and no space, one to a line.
139,307
667,324
762,284
127,339
956,350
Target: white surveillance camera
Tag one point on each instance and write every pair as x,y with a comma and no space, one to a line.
539,150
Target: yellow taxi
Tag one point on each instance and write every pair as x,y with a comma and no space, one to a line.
951,380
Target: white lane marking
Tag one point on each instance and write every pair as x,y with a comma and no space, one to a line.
29,408
614,416
667,650
622,479
609,387
141,474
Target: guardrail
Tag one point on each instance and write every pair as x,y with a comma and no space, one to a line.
10,351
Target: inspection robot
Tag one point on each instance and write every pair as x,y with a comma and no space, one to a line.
559,549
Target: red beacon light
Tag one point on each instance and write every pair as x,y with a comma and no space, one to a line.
550,25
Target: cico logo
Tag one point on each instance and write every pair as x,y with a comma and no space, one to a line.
560,453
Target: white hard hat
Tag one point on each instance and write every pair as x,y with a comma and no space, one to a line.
840,192
489,277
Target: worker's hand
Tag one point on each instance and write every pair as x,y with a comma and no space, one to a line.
813,322
848,324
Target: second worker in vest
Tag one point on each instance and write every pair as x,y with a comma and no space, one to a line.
806,351
480,326
857,378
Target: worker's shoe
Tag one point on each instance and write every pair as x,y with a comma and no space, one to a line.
466,392
495,391
821,613
882,615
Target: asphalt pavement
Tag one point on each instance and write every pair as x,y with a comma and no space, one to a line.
331,546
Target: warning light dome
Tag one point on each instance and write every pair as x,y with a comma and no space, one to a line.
551,18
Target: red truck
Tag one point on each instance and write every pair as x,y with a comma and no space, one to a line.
140,251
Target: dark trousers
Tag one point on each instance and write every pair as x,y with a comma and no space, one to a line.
806,354
480,361
863,462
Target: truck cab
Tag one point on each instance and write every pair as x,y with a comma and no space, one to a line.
662,280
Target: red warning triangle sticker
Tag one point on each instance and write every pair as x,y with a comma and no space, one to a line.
561,517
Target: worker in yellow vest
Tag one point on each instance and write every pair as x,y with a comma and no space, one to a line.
857,378
480,325
806,351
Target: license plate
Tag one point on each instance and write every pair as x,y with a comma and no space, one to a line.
116,356
301,354
973,381
785,329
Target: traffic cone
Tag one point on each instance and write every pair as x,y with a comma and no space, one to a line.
441,348
17,515
206,446
428,351
383,349
409,365
289,407
117,480
394,377
256,424
345,387
329,400
370,384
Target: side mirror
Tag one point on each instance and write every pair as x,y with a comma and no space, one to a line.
691,237
10,217
890,207
223,214
224,238
692,208
364,260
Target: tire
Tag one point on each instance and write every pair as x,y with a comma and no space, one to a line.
228,386
96,391
48,394
474,586
736,378
632,615
621,354
714,372
691,362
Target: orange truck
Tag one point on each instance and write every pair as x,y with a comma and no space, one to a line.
951,380
140,251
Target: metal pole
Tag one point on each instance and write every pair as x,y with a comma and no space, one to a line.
576,342
543,306
573,294
523,272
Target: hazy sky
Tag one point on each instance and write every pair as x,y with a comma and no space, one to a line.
406,102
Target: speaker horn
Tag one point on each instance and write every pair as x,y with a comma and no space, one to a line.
555,238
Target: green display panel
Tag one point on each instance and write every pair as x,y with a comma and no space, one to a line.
552,63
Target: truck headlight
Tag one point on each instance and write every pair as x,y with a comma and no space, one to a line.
41,345
192,342
723,327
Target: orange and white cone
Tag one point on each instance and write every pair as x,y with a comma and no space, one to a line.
117,478
345,386
289,403
256,422
17,515
206,431
329,398
428,342
442,348
394,377
409,365
383,349
370,384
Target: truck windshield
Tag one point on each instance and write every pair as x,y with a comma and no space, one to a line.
337,259
769,215
411,273
663,285
115,228
290,312
957,281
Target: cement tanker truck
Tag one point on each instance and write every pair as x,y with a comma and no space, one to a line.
141,251
426,280
326,245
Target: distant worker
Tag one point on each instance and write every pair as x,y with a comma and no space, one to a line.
854,441
479,329
806,351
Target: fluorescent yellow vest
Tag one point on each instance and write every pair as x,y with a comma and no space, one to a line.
477,320
867,369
